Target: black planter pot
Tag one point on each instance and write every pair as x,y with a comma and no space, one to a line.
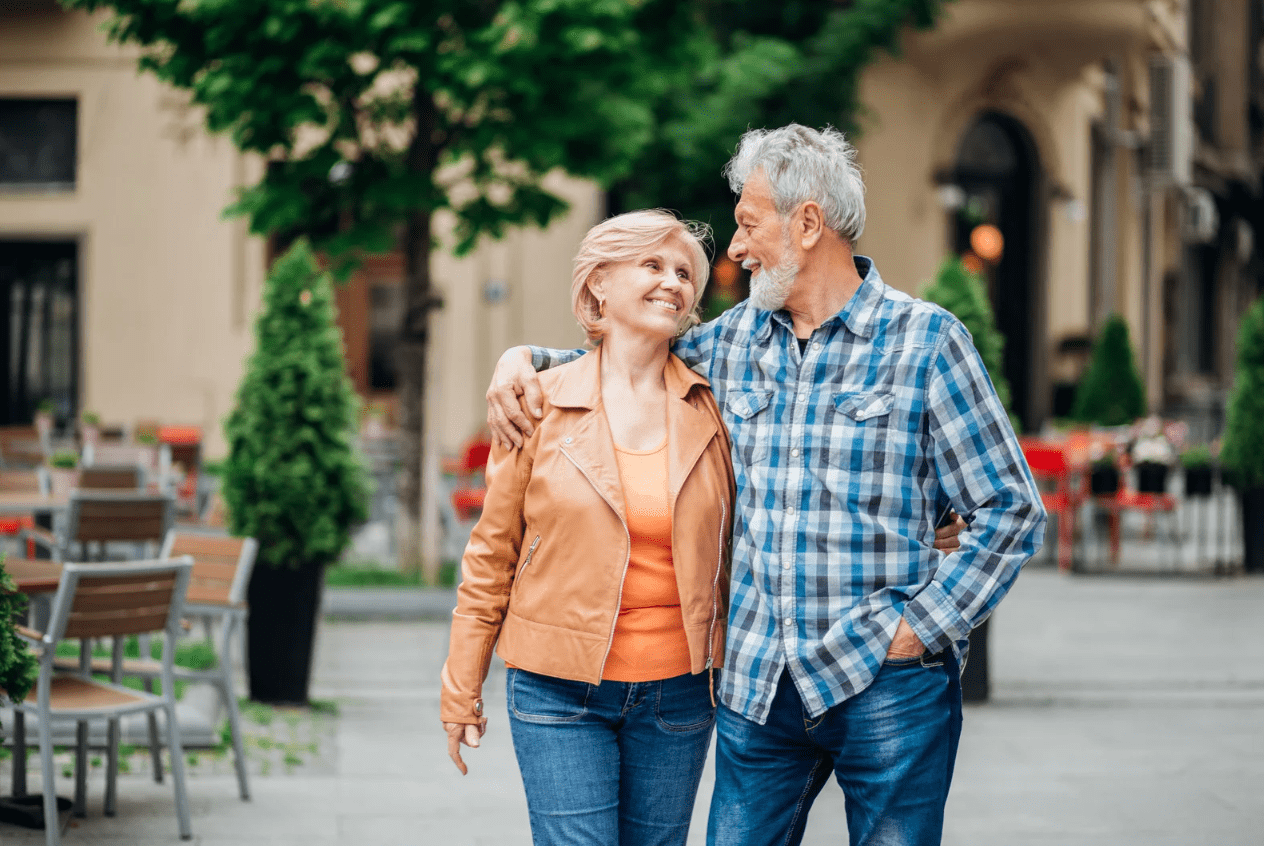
1103,481
1151,477
281,630
975,680
1198,481
1253,530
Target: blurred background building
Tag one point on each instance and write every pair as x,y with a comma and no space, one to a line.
1117,147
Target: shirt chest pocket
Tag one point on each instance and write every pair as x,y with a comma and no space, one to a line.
859,431
750,425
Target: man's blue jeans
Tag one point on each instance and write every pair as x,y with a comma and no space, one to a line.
614,763
891,747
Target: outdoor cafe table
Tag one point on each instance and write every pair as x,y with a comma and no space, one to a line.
22,502
33,576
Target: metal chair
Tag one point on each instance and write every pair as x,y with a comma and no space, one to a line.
217,594
112,477
103,517
111,600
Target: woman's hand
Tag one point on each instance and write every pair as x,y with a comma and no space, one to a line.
513,378
946,538
467,733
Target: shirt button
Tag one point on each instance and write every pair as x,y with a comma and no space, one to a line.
787,622
816,346
568,440
787,562
795,453
790,509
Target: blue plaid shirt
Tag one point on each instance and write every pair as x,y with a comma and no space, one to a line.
844,456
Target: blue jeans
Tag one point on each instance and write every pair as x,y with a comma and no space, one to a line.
614,763
891,747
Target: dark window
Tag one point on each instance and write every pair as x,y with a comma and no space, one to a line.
38,144
39,335
386,309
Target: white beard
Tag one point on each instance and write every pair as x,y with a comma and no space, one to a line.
770,287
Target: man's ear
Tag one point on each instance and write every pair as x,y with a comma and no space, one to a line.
811,224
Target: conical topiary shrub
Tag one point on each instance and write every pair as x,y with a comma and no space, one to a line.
961,292
1242,452
1111,392
18,667
292,479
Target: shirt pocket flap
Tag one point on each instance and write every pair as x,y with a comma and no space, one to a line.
864,405
747,404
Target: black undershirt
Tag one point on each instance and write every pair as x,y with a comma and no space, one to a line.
803,345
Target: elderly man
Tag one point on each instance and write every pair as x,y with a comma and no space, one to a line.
858,415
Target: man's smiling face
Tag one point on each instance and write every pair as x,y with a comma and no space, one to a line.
762,245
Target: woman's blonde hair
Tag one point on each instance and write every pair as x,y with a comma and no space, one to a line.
626,237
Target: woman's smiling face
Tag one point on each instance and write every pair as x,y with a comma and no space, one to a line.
650,295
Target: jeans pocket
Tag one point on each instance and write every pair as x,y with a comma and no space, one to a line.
915,661
535,698
684,703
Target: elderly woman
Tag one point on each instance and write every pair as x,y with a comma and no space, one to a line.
598,568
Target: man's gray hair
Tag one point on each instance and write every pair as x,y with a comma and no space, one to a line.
804,164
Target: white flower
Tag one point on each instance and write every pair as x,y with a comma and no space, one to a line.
1154,449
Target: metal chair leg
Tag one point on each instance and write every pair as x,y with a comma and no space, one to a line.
175,747
19,754
228,693
111,767
52,821
81,768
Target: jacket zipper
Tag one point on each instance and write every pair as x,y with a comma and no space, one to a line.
715,596
527,560
627,558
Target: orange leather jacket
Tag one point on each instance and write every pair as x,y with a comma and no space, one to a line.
543,572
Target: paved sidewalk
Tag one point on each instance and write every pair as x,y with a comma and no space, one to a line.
1126,711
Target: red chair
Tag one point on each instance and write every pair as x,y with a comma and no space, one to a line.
467,498
1050,468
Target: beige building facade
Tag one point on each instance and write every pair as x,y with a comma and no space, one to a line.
1072,126
128,294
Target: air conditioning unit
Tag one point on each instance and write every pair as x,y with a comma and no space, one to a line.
1171,120
1200,220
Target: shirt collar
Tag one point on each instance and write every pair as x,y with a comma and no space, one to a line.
859,315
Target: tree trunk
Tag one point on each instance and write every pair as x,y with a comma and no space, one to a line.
411,355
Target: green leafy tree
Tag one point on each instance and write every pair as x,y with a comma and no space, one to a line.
1242,452
18,668
761,64
962,293
1111,392
292,479
375,115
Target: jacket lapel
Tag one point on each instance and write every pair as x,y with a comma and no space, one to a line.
689,429
589,443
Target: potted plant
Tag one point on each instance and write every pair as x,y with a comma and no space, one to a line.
1103,478
1197,462
18,667
1152,456
63,472
44,419
292,479
90,427
1111,392
1242,452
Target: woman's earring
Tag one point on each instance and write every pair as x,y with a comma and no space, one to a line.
601,308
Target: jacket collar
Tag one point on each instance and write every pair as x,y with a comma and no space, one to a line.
590,443
580,385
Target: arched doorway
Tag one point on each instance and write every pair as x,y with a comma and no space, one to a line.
997,168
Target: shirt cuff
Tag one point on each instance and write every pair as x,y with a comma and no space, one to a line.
934,618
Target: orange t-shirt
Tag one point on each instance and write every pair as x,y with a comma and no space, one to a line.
649,637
